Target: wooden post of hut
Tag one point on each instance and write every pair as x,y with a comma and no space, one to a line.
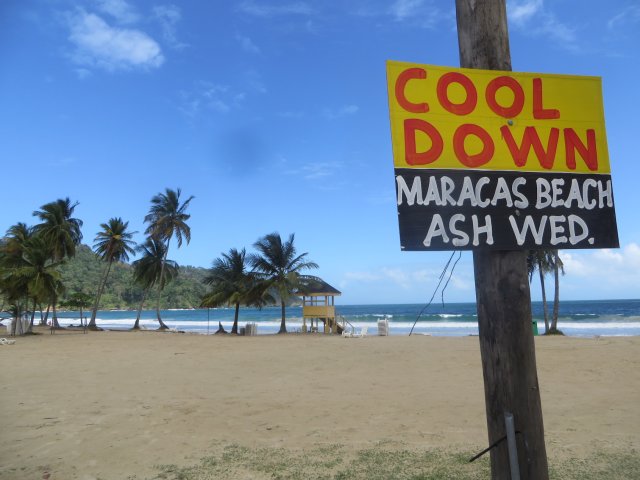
318,302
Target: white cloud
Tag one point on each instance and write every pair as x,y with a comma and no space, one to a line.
629,15
168,17
423,13
210,90
120,10
83,73
406,278
606,268
462,283
209,96
532,18
319,170
247,44
522,11
310,171
398,276
403,9
111,48
206,96
268,9
253,80
219,106
409,283
341,112
362,276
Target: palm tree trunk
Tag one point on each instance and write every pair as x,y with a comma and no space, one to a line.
33,316
54,318
43,320
544,301
283,325
163,326
14,325
18,329
234,329
556,295
136,326
94,310
161,286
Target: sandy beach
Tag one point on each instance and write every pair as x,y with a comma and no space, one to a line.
114,405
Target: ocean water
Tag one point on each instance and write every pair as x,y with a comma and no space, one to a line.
576,318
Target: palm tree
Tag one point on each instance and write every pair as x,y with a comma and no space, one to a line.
232,284
167,218
26,271
149,269
112,244
42,275
540,260
62,234
16,239
279,267
58,228
14,288
558,267
547,261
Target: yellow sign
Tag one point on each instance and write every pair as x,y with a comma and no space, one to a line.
456,118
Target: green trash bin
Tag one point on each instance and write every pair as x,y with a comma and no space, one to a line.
535,327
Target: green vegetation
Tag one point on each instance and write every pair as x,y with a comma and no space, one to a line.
45,265
30,257
113,244
150,268
78,301
382,463
84,271
232,284
278,266
167,218
60,234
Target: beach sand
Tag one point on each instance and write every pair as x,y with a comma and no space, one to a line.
111,405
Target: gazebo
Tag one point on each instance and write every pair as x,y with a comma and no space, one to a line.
318,304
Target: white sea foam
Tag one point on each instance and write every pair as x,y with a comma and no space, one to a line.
598,325
438,324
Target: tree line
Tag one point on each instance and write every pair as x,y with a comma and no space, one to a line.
31,257
37,268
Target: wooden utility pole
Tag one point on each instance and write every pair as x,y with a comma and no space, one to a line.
502,287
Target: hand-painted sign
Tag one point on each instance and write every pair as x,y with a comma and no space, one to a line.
499,160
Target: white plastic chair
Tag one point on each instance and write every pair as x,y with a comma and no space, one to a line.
363,332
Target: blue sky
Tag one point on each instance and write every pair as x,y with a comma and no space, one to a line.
274,115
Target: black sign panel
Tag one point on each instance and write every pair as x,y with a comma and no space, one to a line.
500,210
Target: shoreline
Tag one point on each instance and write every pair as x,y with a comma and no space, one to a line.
294,328
42,330
581,319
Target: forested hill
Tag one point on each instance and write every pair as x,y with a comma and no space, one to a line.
83,273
